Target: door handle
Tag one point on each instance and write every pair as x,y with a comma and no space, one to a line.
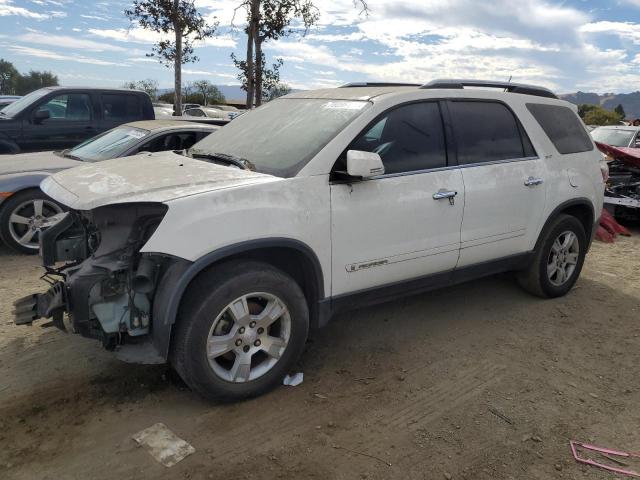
442,194
533,181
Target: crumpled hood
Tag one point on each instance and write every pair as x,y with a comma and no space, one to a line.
154,177
34,162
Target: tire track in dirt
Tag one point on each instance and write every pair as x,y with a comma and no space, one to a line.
427,405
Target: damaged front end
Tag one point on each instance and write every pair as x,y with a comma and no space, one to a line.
102,286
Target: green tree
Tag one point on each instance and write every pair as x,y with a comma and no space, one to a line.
278,90
271,20
585,108
8,78
209,92
620,111
268,20
270,77
35,80
177,17
600,116
148,85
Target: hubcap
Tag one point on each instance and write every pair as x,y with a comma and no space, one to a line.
563,258
29,219
248,337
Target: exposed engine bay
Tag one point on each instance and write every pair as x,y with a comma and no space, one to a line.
97,274
622,193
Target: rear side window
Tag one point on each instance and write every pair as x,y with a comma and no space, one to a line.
121,107
408,138
562,126
487,132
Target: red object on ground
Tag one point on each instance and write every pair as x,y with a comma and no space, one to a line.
611,225
603,235
630,156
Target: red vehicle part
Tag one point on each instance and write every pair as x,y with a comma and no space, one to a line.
630,156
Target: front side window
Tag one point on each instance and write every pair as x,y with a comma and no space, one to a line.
23,103
71,106
487,132
283,135
407,138
563,127
121,107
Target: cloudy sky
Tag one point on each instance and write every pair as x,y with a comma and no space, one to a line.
588,45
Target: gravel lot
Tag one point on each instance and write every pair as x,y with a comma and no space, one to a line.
477,381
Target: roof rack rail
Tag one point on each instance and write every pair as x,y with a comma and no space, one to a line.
378,84
507,86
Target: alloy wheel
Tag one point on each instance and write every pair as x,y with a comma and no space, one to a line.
248,337
563,258
29,218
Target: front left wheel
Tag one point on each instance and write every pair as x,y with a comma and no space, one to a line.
242,327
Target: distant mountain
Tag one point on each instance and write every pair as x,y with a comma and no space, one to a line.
629,101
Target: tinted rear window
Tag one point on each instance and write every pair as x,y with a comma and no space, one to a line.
121,107
563,127
487,132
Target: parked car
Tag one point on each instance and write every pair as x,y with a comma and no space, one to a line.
7,100
627,136
25,210
187,106
206,112
363,194
231,111
55,118
162,110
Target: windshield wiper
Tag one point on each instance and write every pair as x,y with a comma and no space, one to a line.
239,162
65,153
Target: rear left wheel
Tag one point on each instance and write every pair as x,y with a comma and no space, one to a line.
23,216
558,261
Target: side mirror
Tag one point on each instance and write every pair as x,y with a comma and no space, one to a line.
41,115
364,164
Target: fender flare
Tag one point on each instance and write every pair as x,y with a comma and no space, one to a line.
176,280
574,202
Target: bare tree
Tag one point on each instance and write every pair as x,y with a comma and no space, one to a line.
149,85
181,18
209,92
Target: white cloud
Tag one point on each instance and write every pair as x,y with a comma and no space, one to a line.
628,30
66,41
95,17
41,53
7,8
140,35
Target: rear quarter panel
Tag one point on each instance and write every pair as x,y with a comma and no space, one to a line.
567,177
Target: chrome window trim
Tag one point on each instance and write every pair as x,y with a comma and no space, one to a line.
452,167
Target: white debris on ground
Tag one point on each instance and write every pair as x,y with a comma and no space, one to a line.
163,445
293,380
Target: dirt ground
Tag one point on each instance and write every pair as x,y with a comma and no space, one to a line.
477,381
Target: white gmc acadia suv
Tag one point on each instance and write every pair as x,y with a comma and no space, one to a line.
220,259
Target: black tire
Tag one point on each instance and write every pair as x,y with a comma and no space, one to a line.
207,298
535,278
10,205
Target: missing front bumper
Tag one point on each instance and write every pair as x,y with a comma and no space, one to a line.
51,304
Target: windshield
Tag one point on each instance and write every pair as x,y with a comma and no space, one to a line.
280,137
16,107
111,144
613,137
